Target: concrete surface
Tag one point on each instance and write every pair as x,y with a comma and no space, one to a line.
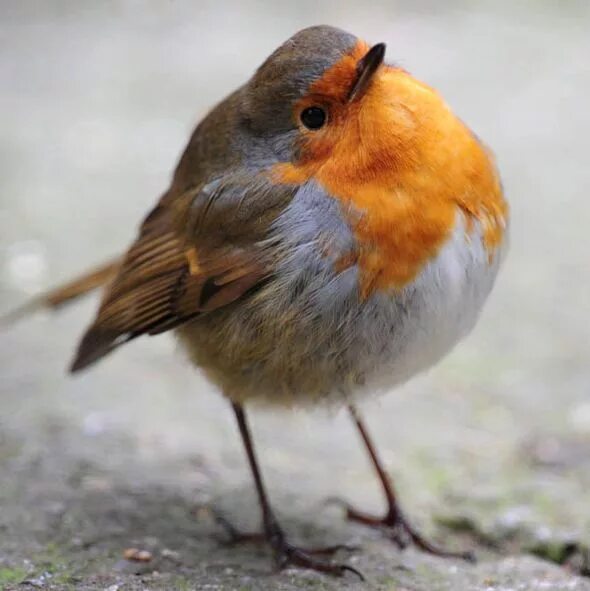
489,450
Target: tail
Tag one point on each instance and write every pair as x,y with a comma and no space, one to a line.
58,297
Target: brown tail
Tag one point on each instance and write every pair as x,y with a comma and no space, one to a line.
64,294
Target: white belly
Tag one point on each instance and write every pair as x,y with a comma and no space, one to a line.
442,306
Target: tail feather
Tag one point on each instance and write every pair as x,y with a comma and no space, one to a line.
64,294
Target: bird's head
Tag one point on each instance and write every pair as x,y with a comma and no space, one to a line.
332,110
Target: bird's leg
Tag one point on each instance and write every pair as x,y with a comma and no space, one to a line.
394,523
285,554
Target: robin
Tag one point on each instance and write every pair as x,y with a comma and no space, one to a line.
331,230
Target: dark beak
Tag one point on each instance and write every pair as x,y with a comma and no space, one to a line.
365,69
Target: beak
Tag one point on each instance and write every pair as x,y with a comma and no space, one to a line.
365,69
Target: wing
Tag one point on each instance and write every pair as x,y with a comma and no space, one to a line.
196,252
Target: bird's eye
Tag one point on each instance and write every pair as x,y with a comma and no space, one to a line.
313,117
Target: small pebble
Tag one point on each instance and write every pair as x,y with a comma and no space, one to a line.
137,555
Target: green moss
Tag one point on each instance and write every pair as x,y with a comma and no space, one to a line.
182,584
52,561
11,576
556,551
389,583
63,578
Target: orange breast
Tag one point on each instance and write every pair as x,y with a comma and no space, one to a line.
402,166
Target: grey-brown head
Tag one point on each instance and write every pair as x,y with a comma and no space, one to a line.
273,109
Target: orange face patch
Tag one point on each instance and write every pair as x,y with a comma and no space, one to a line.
401,164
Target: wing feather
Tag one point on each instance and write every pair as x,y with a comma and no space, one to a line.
168,277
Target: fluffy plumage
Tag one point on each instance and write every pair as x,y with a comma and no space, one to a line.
313,262
306,265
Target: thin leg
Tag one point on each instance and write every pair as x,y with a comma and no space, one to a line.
394,523
284,552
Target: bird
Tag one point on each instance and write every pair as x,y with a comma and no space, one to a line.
331,230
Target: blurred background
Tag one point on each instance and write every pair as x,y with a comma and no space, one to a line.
97,100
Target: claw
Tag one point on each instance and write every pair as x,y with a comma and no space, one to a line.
286,554
396,527
235,536
335,501
329,550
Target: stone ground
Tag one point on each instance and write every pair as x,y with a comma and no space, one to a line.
490,450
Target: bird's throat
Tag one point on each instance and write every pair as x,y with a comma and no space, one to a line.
404,168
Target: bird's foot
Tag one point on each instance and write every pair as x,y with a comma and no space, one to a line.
233,535
396,527
285,553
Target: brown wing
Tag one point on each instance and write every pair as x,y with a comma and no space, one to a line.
175,271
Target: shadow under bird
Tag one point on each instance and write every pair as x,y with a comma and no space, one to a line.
331,229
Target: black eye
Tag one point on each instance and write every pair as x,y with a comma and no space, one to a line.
313,117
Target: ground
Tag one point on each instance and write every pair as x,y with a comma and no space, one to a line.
489,451
77,492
